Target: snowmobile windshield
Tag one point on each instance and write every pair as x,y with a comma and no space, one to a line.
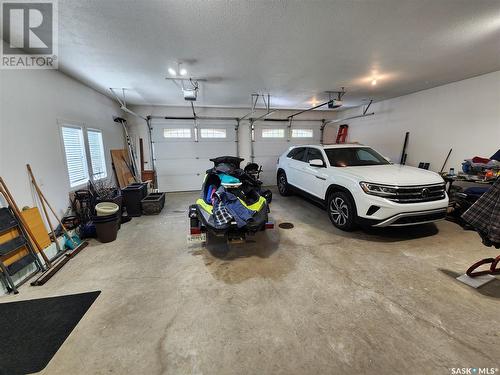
232,161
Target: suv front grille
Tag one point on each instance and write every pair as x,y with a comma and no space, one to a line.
421,193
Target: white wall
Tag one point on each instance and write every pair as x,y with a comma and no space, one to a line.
464,115
32,102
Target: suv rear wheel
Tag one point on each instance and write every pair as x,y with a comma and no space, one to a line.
283,187
341,210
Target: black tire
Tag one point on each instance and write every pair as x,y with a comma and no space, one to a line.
341,211
283,187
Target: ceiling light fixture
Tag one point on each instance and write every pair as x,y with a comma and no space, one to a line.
374,82
172,72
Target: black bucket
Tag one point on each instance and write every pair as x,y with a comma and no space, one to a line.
106,227
132,197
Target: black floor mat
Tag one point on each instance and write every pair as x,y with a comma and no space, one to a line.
32,331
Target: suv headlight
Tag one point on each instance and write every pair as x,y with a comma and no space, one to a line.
378,190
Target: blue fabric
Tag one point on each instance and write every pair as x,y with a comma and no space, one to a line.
240,213
208,198
478,191
227,179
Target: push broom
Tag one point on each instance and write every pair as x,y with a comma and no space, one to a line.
73,242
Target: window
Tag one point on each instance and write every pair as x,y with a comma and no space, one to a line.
212,133
354,156
313,153
292,152
76,158
97,159
302,133
80,167
273,133
364,155
177,133
297,153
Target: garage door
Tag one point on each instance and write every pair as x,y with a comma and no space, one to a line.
271,142
181,161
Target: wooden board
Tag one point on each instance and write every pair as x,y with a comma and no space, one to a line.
121,164
147,175
35,223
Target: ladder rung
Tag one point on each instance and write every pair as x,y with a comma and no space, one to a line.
7,221
20,264
12,245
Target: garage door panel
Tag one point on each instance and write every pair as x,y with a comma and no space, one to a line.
268,175
175,151
181,162
270,148
267,150
229,127
268,178
188,166
208,150
179,182
157,131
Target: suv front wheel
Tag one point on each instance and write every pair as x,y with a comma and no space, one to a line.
341,210
283,187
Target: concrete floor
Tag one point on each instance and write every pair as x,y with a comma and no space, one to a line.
309,300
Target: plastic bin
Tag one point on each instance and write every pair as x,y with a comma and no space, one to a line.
106,208
143,186
106,227
115,198
153,203
132,197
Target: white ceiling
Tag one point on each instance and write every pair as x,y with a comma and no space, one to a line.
295,50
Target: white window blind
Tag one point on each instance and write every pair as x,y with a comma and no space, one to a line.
273,133
76,158
212,133
302,133
97,158
177,133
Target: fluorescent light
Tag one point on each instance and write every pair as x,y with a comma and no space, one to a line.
183,72
172,72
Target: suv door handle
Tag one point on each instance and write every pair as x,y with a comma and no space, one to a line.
320,178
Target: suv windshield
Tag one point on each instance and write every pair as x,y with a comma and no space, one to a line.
354,157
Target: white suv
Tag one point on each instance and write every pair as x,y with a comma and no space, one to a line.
360,186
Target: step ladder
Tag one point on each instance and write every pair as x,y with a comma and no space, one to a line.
342,134
12,230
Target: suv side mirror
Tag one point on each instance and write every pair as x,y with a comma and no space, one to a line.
316,163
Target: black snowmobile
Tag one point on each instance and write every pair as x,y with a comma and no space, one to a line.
232,203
